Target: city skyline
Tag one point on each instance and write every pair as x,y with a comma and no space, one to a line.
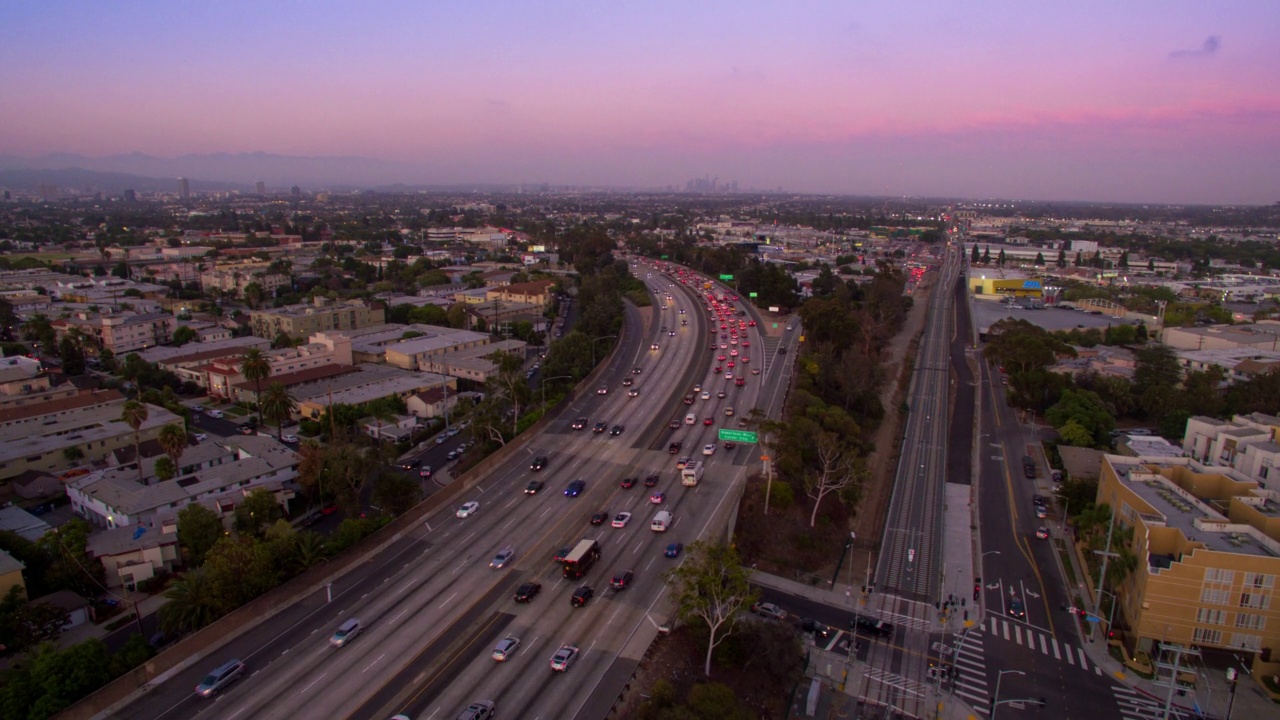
1149,102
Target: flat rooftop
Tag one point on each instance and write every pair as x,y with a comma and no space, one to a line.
987,313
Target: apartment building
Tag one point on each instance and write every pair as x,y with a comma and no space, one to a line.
22,382
1207,542
373,382
536,293
218,474
222,377
299,321
38,437
122,332
472,363
130,557
1249,444
233,279
416,353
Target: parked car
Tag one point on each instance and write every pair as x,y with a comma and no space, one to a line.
769,610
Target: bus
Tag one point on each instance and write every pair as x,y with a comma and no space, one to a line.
581,558
691,473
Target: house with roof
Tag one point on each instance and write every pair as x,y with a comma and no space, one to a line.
11,574
133,554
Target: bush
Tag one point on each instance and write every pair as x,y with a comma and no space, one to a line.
782,496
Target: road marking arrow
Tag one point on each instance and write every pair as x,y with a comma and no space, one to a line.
993,586
1031,594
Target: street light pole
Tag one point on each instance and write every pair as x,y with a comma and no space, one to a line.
995,699
543,384
593,347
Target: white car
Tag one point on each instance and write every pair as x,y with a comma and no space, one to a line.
289,438
468,509
709,449
215,414
200,437
705,395
621,519
506,648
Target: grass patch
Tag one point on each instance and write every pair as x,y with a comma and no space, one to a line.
238,412
1066,562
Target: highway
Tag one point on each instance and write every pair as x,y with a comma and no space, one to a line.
432,608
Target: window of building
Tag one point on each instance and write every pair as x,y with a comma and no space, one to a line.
1205,636
1256,600
1245,641
1260,581
1249,621
1208,616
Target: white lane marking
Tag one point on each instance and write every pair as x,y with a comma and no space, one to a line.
509,522
402,612
460,566
1043,647
1069,660
1006,631
313,682
1084,664
1017,635
375,662
1056,655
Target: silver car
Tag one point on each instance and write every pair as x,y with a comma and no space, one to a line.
503,558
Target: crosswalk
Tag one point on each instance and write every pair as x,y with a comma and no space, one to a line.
1136,706
970,679
1041,642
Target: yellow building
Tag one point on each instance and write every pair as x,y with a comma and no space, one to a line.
1208,547
300,321
11,574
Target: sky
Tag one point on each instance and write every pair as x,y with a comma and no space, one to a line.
1132,101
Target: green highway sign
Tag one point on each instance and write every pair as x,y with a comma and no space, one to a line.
726,277
742,436
751,295
775,326
664,257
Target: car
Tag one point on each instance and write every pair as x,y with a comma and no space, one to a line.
575,488
201,437
820,631
742,381
673,550
653,346
628,382
635,370
633,393
599,517
602,390
616,430
453,455
425,471
563,659
214,414
658,498
690,419
478,710
534,487
246,430
628,483
674,424
600,427
503,558
621,519
707,420
688,399
468,509
709,449
674,447
220,677
754,371
622,580
682,461
697,387
580,423
538,463
672,333
1042,532
505,648
728,376
769,610
722,394
1016,608
650,480
751,323
582,596
716,370
287,437
528,591
728,445
871,626
197,408
705,395
1042,511
345,633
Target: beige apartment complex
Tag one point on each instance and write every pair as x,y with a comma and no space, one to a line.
1207,543
123,332
299,321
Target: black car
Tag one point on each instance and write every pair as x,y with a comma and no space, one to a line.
871,626
622,580
538,463
600,517
616,430
580,423
528,591
575,488
628,482
819,630
534,487
674,424
600,427
650,480
582,596
674,448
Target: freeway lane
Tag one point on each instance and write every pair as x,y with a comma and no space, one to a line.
434,589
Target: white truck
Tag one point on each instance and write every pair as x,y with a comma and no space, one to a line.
691,473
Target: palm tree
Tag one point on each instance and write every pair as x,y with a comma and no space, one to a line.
193,603
311,551
134,414
173,440
278,405
256,367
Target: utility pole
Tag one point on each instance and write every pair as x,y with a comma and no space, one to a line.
1102,572
1178,651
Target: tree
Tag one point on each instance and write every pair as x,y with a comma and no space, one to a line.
279,405
1062,258
975,257
199,528
257,511
711,586
1085,409
173,440
254,294
71,355
239,569
836,471
65,676
25,624
183,335
1073,433
134,413
256,367
395,492
192,603
1156,375
1039,259
1001,259
986,256
165,469
73,453
1079,258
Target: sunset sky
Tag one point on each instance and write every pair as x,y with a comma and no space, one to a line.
1129,101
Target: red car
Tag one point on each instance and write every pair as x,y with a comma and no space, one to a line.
707,421
739,382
